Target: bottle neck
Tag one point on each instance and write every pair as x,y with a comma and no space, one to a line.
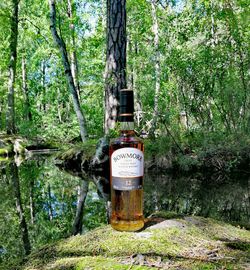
127,128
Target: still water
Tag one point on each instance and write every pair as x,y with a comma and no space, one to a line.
56,204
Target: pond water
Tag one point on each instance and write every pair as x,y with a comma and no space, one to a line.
52,200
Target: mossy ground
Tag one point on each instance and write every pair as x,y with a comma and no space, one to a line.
185,243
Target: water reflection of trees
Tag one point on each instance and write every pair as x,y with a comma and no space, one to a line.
209,196
51,204
55,204
81,197
19,207
101,184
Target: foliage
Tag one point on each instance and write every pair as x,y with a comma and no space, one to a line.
204,56
199,151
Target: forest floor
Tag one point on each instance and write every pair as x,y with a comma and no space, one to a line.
178,243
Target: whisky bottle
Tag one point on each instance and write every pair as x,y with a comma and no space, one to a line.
126,170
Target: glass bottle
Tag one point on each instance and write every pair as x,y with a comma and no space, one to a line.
126,171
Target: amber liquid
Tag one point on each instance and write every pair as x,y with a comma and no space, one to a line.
127,206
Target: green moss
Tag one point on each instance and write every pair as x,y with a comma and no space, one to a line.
3,151
112,243
4,158
220,230
8,150
99,263
11,143
86,150
188,243
59,264
211,266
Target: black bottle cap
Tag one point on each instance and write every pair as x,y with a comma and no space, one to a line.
126,113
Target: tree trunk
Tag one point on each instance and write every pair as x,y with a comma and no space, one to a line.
115,71
185,105
32,206
43,104
27,112
19,208
82,194
138,103
155,30
61,45
50,209
10,115
59,105
73,57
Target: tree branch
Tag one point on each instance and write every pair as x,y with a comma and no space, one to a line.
37,27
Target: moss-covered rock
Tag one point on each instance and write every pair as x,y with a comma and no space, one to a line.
6,151
14,144
77,158
7,145
181,243
41,144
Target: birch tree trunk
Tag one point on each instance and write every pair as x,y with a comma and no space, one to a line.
32,205
115,71
62,47
73,57
19,209
82,194
10,114
155,29
27,112
43,70
50,208
138,103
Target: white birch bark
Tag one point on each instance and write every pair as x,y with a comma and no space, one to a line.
73,54
67,69
10,114
155,30
27,112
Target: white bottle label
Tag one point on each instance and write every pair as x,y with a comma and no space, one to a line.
127,162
